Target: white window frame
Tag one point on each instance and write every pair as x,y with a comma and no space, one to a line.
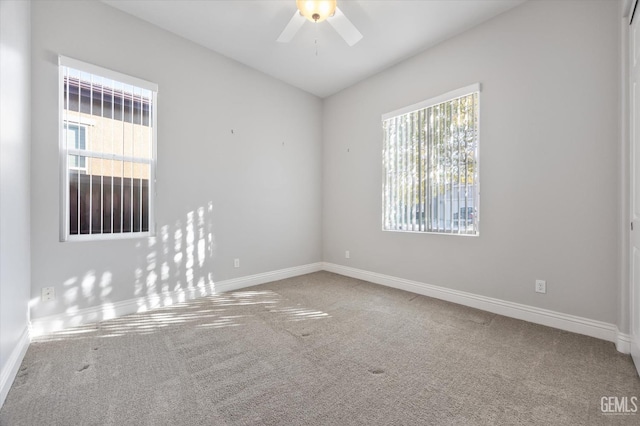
446,97
64,152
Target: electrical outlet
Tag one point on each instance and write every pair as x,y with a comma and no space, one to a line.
236,263
48,293
347,254
541,286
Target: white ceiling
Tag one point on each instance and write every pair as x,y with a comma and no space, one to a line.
246,31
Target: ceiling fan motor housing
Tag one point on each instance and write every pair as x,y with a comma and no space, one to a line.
316,10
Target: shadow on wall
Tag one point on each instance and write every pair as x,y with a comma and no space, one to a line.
173,266
177,262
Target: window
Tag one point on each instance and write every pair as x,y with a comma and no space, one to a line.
107,153
77,140
430,165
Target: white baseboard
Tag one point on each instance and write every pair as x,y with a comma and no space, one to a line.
46,325
572,323
10,370
623,342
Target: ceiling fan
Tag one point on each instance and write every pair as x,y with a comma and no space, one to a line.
317,11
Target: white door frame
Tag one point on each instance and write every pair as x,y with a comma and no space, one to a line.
631,133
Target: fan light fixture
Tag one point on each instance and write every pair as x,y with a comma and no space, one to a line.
316,10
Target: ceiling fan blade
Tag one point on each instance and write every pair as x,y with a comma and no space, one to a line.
292,27
345,28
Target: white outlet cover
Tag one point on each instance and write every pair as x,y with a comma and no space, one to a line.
47,293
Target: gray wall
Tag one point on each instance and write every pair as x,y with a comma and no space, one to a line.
549,159
14,177
256,192
549,153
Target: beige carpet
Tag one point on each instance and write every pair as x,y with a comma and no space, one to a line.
318,349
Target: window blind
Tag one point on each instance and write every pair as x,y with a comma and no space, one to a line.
107,152
430,165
